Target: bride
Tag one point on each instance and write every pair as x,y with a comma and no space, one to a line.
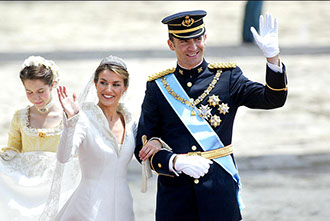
102,134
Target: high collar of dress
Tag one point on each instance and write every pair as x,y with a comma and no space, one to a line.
194,72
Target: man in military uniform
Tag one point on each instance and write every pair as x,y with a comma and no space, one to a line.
188,111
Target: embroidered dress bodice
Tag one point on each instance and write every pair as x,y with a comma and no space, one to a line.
23,138
26,179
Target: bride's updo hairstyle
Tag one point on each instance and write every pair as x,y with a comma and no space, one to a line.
114,64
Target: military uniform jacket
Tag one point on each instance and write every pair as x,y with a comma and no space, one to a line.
217,188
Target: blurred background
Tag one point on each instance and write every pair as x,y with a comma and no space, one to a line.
283,155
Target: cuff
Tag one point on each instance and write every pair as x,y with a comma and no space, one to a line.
72,121
8,155
164,145
276,68
170,165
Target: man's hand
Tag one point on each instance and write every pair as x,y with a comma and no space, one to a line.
268,38
194,166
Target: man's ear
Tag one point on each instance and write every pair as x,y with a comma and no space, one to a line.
205,38
171,45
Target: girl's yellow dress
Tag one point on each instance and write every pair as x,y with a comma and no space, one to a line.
25,180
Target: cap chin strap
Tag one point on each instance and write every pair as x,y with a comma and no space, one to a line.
186,30
190,36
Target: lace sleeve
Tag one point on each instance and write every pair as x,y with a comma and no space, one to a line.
73,134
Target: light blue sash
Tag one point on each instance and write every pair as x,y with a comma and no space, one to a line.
198,128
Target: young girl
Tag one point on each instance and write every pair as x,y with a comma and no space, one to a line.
28,161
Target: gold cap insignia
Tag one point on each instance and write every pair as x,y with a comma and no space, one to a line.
187,22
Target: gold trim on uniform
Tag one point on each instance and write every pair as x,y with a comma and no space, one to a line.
214,154
152,167
222,65
186,30
210,66
189,36
200,70
274,89
160,74
199,99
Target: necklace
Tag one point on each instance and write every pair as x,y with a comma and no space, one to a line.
200,98
47,107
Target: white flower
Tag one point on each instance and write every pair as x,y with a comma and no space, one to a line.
49,64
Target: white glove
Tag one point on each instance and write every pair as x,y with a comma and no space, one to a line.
194,166
268,38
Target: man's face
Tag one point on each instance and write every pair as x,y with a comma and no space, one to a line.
188,52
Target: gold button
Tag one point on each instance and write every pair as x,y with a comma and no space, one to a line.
189,84
159,165
196,181
194,147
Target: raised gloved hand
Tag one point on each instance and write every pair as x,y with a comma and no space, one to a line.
194,166
268,38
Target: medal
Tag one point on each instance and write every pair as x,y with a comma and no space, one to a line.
223,108
215,120
214,100
204,111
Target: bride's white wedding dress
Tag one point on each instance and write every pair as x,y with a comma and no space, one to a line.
103,193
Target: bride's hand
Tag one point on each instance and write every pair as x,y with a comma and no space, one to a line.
69,105
149,149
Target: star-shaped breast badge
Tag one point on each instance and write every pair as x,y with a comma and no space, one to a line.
214,100
215,120
223,108
204,111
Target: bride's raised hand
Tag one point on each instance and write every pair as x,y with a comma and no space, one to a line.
69,105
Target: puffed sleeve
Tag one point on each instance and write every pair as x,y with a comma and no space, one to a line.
73,134
14,134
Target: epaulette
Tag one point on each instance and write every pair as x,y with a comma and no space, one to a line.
160,74
222,65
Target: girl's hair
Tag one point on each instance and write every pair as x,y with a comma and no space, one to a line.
39,72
